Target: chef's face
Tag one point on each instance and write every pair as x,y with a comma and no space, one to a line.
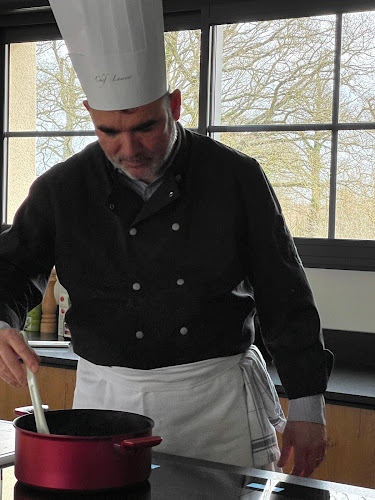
139,140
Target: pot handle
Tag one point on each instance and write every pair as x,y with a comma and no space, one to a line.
143,442
26,410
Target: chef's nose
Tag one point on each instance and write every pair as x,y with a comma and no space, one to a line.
130,145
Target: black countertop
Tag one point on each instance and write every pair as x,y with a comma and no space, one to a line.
348,385
179,478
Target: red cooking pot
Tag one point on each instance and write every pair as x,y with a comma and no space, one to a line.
85,450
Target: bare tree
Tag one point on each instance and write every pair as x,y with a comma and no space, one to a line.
59,103
182,49
272,72
281,72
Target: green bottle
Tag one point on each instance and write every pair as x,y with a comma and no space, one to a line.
33,319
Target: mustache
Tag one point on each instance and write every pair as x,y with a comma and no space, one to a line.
141,158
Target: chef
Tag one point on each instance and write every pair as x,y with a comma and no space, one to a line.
171,246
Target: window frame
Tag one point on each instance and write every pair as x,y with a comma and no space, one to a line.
37,23
335,126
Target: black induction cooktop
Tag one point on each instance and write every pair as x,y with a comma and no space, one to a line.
178,478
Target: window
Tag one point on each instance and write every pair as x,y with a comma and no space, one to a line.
47,122
295,92
182,50
299,95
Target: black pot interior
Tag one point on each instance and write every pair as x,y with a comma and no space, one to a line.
89,423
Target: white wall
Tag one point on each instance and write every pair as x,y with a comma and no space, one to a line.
345,299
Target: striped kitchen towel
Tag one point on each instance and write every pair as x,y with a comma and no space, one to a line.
263,405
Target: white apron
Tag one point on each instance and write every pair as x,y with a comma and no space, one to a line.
222,409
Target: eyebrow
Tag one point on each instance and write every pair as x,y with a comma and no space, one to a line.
138,128
108,130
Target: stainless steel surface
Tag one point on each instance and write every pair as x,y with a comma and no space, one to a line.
49,343
7,433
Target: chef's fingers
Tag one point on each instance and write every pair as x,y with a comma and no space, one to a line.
305,465
301,463
286,451
314,457
309,441
7,376
27,354
312,463
11,369
13,347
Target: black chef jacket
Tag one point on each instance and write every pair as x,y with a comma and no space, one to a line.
171,280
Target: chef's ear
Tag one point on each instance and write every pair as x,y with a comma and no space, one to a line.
175,102
86,104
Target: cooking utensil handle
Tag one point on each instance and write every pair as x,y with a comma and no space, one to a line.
143,442
40,419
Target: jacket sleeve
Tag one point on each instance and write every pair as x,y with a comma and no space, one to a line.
26,256
289,320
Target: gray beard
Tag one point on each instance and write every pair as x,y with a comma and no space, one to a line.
159,168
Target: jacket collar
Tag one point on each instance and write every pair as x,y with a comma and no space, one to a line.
167,192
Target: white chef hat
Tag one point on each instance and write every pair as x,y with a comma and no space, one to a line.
117,49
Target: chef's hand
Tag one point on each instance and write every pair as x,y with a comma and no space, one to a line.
309,442
12,348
